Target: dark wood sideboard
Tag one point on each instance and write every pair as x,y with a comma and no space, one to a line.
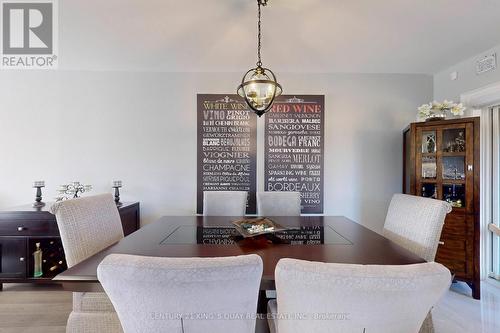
24,226
441,161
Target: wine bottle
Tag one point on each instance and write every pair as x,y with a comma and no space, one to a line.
37,256
448,196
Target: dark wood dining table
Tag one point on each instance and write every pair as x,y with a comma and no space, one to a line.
331,239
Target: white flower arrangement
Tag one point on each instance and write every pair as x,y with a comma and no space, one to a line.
436,109
458,109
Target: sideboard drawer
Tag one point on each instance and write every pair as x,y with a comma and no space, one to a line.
453,254
455,225
28,228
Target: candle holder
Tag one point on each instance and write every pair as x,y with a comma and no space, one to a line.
117,184
38,200
73,189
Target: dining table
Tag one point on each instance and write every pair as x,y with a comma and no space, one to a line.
329,239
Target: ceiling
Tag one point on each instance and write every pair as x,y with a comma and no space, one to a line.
361,36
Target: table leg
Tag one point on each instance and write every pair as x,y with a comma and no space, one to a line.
261,325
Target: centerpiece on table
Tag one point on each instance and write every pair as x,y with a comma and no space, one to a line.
439,111
257,226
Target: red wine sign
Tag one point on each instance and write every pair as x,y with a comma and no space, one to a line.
227,147
294,149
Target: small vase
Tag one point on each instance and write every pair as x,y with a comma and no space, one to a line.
437,115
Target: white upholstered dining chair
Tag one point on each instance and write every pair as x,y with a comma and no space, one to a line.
326,297
415,223
191,295
278,203
224,203
87,226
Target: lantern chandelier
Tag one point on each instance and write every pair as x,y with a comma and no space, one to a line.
259,86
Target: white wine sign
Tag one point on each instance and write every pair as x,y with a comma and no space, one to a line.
227,147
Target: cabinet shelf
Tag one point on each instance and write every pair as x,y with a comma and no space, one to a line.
454,181
453,154
458,209
41,278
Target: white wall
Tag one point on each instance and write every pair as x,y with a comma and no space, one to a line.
94,127
445,88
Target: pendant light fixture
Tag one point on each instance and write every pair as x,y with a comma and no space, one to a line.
259,86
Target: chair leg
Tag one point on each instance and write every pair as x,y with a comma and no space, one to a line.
93,322
262,302
427,325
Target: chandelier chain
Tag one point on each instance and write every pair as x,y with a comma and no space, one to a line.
259,61
259,86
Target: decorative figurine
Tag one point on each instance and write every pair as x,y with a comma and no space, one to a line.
457,144
117,184
460,142
73,189
38,201
431,144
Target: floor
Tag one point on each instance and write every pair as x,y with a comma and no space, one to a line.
44,308
26,308
458,312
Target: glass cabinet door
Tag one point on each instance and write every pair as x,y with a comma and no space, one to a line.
429,167
454,140
454,194
456,165
429,142
429,191
453,167
427,162
444,163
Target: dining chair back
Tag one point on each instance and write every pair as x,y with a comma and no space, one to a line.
415,223
88,225
327,297
153,294
278,203
224,203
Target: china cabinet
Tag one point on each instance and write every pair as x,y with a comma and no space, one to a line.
441,161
